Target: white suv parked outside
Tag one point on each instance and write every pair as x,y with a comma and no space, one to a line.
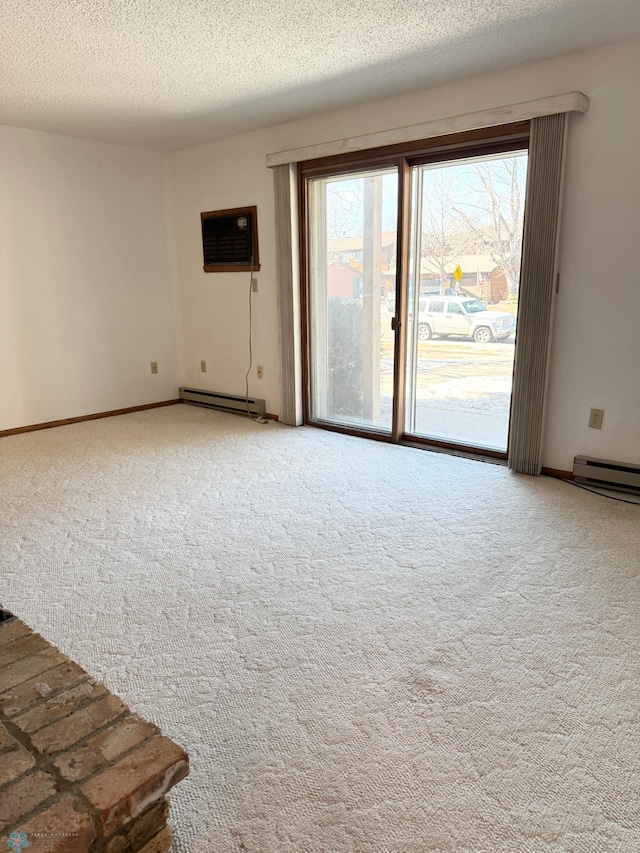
460,315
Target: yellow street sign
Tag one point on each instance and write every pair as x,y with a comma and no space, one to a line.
457,273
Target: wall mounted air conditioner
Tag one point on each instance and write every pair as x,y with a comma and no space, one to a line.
230,240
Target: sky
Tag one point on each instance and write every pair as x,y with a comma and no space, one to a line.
345,194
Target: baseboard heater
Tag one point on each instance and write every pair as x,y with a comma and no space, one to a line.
607,474
224,402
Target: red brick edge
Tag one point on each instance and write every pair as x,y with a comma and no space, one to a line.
79,773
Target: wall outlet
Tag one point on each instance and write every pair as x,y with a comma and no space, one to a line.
595,418
259,371
254,285
203,366
154,366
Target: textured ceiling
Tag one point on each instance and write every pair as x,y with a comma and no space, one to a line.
167,74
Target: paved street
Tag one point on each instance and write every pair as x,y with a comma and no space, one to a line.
463,390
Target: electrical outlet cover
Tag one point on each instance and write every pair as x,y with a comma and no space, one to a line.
595,418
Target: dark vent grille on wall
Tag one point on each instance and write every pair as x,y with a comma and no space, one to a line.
230,240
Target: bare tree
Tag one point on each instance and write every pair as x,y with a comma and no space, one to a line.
493,210
442,239
344,208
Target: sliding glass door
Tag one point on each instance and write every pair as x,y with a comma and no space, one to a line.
412,285
352,247
466,236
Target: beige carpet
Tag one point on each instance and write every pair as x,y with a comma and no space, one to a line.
364,648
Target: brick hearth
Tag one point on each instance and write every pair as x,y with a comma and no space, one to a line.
79,773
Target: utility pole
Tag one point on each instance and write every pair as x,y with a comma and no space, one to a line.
371,275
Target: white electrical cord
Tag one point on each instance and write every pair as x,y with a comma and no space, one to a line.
259,419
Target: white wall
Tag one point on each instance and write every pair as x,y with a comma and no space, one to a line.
215,306
596,350
87,287
596,343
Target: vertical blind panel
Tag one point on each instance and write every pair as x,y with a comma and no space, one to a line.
288,293
546,154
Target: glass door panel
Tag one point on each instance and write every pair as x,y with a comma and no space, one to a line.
465,251
352,224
